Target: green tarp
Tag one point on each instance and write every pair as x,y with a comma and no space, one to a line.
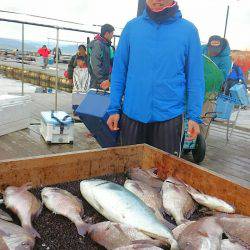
213,78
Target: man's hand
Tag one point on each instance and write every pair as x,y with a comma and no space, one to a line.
193,129
113,122
71,81
105,85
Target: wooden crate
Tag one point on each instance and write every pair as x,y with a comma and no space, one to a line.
60,168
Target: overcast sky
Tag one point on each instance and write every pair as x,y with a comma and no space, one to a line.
207,15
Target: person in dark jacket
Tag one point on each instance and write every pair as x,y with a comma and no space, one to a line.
82,51
158,63
100,55
59,54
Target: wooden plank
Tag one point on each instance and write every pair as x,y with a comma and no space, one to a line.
200,178
48,170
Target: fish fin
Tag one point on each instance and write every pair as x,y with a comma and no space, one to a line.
26,186
147,242
152,172
39,210
191,190
137,186
205,234
82,228
32,231
118,227
169,225
5,216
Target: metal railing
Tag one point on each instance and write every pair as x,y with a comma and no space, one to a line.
57,28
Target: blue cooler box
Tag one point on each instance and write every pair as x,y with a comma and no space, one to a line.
224,107
93,113
239,92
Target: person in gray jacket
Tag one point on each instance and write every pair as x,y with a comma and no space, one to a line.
100,56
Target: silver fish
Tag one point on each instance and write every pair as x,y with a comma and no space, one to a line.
146,176
13,237
236,227
177,201
112,235
139,247
62,202
179,230
23,203
5,216
204,234
117,204
211,202
150,196
228,245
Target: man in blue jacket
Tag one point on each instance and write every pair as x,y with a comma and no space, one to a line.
157,76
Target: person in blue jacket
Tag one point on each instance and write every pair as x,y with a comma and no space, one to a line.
157,66
235,76
218,50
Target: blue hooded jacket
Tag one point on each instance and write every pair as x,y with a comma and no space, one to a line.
223,61
155,65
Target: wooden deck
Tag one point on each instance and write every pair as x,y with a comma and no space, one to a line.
232,159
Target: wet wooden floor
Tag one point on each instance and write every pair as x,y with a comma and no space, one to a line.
231,159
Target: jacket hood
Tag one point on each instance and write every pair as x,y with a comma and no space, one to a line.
98,37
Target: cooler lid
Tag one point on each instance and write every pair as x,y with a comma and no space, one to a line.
60,115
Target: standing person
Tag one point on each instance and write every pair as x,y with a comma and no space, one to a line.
218,50
59,54
235,76
44,52
157,75
81,75
100,55
73,61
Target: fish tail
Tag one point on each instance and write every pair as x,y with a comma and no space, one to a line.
82,228
32,231
174,246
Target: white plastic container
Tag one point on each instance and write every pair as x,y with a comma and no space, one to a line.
57,127
15,113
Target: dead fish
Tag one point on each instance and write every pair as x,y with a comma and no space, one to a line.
236,227
13,237
62,202
139,247
23,203
178,230
211,202
204,234
5,216
146,176
177,202
150,196
114,235
228,245
117,204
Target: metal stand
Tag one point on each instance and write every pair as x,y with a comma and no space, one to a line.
22,59
57,59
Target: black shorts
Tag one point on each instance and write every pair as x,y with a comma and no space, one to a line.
166,135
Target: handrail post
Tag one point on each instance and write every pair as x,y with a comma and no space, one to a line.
57,73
